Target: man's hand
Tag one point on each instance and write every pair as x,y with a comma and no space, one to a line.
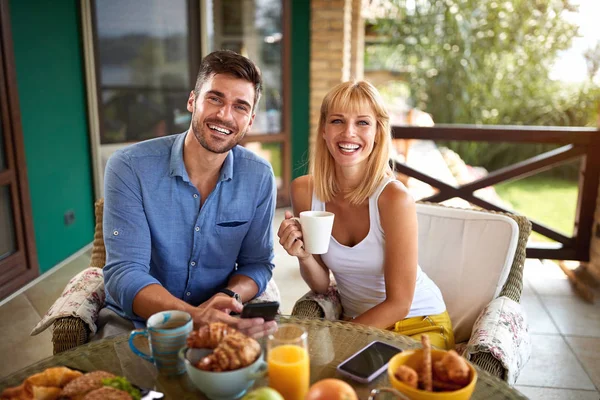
217,308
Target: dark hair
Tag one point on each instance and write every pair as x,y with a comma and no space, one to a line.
228,62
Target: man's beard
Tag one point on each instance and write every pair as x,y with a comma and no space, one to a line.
218,148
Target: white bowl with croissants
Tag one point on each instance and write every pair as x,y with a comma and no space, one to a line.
222,362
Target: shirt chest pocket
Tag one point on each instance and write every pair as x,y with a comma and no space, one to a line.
230,235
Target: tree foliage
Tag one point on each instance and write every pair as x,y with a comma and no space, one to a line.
484,61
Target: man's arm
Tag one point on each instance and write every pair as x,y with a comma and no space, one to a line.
255,261
128,245
126,234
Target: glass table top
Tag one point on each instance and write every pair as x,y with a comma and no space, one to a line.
330,343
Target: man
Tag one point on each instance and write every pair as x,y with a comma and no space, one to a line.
187,217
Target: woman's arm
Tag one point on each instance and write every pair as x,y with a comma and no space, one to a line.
312,269
398,216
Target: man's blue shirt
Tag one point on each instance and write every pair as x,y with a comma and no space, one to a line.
156,233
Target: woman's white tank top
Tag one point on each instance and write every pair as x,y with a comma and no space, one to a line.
358,270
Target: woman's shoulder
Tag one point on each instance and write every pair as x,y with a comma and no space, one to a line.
302,184
301,191
394,197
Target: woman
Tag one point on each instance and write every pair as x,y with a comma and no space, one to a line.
373,246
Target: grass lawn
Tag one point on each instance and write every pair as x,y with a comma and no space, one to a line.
549,201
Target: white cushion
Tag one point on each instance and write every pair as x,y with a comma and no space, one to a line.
468,254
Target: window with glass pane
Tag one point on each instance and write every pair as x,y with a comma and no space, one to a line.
7,227
143,66
253,28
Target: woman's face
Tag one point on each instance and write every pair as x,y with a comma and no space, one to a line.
350,136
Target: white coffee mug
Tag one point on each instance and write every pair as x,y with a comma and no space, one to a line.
316,230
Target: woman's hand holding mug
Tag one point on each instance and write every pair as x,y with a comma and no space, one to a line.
290,236
309,234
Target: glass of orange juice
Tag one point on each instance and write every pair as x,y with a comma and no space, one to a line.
287,358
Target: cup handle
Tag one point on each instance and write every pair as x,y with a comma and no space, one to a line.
260,372
395,392
295,219
136,351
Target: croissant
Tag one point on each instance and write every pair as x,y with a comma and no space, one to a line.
46,385
235,351
209,336
15,393
407,375
46,393
51,377
456,368
232,349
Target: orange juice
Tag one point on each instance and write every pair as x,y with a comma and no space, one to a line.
289,371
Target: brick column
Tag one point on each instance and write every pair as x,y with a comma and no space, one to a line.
331,27
357,41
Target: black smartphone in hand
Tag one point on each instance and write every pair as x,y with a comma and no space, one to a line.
266,311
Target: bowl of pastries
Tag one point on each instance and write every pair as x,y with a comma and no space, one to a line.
63,383
431,374
221,361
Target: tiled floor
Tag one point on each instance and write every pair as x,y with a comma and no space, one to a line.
565,330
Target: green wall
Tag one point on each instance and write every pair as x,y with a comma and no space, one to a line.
51,85
300,86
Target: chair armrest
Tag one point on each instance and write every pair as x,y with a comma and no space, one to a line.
69,332
271,293
313,305
80,303
488,363
500,341
513,286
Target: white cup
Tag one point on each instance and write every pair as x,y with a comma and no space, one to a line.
316,230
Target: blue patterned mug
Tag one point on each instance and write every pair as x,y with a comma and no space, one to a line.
166,332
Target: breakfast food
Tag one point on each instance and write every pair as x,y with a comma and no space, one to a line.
232,349
44,385
62,383
51,377
78,388
449,373
107,393
331,389
407,375
426,369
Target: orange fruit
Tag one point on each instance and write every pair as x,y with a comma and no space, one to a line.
331,389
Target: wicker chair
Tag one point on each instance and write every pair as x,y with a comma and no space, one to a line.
512,288
70,332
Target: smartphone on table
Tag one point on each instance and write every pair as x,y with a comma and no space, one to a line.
369,362
266,311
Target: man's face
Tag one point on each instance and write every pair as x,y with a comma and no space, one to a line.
222,112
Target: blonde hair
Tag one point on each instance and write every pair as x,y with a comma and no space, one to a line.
352,96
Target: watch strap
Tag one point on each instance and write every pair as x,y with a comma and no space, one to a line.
231,293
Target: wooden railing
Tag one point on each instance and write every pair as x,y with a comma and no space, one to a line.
576,143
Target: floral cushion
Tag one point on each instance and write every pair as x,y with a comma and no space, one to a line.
501,330
329,304
271,293
82,298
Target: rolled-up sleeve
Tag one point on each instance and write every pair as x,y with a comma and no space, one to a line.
255,259
126,235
